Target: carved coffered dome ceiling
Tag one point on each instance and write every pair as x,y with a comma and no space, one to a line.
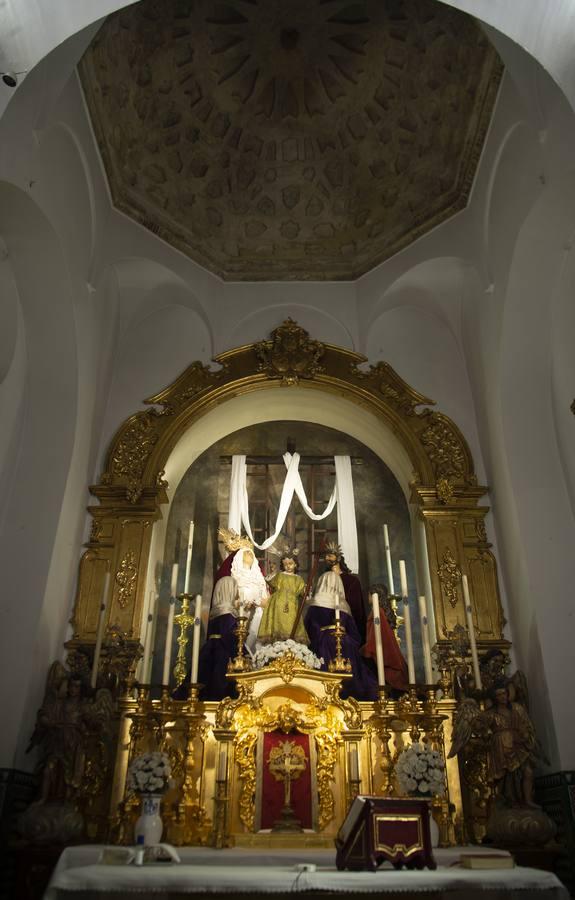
290,139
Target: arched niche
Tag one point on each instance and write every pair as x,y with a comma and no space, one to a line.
294,377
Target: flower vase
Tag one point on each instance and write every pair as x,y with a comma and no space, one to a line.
149,823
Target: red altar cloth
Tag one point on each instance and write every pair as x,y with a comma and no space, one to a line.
273,791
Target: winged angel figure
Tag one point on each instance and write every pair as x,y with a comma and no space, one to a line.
65,724
508,736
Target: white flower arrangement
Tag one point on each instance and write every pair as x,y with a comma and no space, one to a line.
150,773
421,770
270,652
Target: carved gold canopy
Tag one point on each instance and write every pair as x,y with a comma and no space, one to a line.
444,488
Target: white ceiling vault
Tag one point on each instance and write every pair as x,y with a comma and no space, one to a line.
289,141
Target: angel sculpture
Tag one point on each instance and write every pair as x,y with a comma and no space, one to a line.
509,738
64,724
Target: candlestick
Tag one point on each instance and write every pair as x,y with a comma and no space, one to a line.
223,763
471,630
378,642
168,646
337,609
189,557
100,631
388,560
197,635
425,639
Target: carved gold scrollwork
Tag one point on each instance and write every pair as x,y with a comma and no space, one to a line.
323,725
395,390
449,576
444,490
126,578
290,354
443,447
132,452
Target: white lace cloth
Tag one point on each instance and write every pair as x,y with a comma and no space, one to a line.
239,871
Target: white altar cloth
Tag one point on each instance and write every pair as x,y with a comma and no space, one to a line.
245,871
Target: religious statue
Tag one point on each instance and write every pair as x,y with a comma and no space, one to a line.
239,589
281,613
396,675
505,733
335,562
69,726
329,603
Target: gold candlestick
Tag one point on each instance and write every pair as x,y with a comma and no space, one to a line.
219,837
184,620
339,664
241,663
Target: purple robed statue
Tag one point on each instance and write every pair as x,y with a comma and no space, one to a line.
319,622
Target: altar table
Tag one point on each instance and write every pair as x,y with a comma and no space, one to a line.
245,871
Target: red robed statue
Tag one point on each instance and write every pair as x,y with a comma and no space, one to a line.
396,674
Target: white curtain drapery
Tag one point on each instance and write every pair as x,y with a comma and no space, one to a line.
342,494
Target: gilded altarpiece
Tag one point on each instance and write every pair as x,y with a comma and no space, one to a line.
131,493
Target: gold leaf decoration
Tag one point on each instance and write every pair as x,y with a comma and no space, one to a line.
443,448
126,578
290,354
449,576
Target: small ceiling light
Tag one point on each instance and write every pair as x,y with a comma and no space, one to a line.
10,79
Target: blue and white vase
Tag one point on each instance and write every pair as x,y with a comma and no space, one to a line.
149,823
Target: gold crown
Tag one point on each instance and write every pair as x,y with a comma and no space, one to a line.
233,541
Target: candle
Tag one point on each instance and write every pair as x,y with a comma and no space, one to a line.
407,621
100,630
471,630
196,646
403,578
388,560
425,639
189,557
148,639
378,642
223,763
169,639
337,609
352,763
174,582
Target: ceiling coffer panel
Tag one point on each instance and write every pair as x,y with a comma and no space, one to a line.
276,140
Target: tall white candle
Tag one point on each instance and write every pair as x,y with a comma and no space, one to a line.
196,644
223,763
100,630
423,618
471,630
148,639
378,642
174,581
189,557
353,765
337,609
388,560
403,577
169,639
407,622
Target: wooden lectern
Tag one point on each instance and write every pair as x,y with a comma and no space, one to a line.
377,829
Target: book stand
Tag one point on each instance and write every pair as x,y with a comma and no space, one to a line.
377,829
